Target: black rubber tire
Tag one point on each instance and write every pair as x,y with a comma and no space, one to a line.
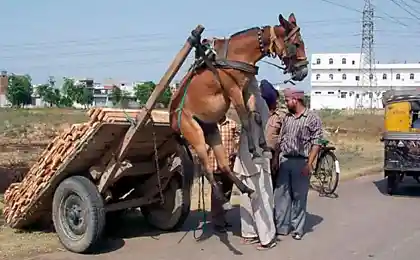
329,188
82,189
391,184
177,203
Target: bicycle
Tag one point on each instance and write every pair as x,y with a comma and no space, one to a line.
327,174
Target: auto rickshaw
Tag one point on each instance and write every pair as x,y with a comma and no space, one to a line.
401,136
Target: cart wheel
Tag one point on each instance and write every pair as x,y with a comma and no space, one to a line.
392,184
173,212
78,214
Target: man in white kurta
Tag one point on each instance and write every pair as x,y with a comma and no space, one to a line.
257,219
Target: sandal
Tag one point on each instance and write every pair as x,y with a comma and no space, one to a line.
250,240
270,245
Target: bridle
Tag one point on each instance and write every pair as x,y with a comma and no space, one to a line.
284,49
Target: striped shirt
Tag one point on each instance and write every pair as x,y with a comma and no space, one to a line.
273,127
229,132
299,134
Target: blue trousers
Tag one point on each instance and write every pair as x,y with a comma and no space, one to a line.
290,196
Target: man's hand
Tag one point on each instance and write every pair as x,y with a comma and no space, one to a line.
307,170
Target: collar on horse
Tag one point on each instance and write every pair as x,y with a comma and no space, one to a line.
286,49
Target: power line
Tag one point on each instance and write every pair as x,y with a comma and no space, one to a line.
403,8
95,51
409,6
343,6
390,18
147,37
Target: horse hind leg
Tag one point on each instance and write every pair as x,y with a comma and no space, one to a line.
214,140
194,135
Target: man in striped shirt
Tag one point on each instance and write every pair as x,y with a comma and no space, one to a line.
298,148
229,132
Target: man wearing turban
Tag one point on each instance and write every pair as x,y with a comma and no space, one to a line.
271,95
296,152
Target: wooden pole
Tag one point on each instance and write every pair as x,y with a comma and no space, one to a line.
142,118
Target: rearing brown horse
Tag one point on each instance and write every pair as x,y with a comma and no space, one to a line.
222,77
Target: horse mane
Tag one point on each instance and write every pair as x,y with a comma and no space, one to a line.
244,31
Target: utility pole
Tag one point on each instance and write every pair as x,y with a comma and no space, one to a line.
368,82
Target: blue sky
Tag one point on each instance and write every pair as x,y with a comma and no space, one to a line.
136,40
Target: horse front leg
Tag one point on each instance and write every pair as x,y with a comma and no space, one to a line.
262,142
245,117
256,116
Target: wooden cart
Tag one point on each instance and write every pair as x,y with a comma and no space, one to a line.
107,165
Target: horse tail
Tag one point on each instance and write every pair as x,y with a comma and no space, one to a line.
176,105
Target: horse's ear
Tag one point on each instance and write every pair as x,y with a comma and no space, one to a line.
283,22
292,18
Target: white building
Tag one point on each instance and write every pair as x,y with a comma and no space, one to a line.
336,81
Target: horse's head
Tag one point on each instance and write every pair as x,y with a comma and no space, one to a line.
286,42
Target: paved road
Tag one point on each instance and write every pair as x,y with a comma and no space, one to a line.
362,223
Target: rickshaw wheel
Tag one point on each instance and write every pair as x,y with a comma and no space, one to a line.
392,184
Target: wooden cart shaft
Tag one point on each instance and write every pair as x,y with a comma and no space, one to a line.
173,69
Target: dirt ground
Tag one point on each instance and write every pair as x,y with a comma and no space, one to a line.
25,133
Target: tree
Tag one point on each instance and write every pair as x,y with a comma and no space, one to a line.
20,90
66,102
51,81
116,95
70,91
49,94
77,93
143,91
85,96
165,98
125,99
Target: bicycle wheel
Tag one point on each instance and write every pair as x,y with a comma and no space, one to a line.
328,172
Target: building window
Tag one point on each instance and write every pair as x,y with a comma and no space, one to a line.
357,78
384,76
411,75
343,95
317,92
353,62
318,61
331,76
330,61
317,76
330,92
344,76
398,76
343,61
